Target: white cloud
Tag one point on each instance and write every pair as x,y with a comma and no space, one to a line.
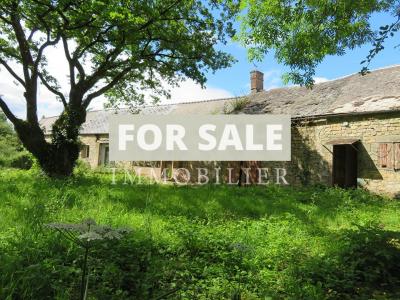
272,79
48,105
190,91
320,79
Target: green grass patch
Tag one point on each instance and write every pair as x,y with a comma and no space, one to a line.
208,242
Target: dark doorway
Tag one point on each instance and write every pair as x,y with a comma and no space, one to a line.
345,166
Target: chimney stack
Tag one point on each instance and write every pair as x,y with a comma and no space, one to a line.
256,81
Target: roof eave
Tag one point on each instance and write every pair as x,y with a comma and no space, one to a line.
345,114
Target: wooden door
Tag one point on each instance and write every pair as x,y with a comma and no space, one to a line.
344,166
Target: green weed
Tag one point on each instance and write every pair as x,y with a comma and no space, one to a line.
198,242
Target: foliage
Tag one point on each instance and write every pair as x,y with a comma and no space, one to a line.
209,242
303,33
235,106
121,49
82,168
87,235
8,141
384,33
12,153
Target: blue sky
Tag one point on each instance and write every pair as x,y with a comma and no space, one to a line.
236,79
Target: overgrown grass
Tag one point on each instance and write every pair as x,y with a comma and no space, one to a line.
210,242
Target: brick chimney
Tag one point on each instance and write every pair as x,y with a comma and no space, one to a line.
256,81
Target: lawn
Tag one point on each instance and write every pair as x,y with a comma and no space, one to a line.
209,242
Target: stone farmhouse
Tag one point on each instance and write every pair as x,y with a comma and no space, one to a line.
345,132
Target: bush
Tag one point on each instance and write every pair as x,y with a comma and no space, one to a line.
23,160
362,262
12,153
82,168
19,160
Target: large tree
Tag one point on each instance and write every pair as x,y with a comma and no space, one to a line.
113,47
303,32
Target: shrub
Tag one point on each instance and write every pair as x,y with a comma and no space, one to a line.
22,160
82,168
12,153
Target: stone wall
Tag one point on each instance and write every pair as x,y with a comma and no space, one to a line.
94,142
311,155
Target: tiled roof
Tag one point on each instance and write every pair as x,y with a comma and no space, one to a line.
374,92
377,91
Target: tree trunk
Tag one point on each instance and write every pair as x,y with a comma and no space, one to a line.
61,159
57,157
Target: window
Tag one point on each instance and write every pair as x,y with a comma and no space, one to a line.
104,155
84,151
389,156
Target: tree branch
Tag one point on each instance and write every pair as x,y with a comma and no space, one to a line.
35,28
70,61
162,13
79,52
83,25
7,112
102,69
80,68
11,71
107,87
52,89
49,42
26,55
30,37
5,20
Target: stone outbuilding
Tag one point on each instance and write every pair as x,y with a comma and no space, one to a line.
345,132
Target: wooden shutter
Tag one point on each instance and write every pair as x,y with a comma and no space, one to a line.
84,151
383,155
397,156
390,156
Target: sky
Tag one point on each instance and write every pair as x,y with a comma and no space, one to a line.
234,81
